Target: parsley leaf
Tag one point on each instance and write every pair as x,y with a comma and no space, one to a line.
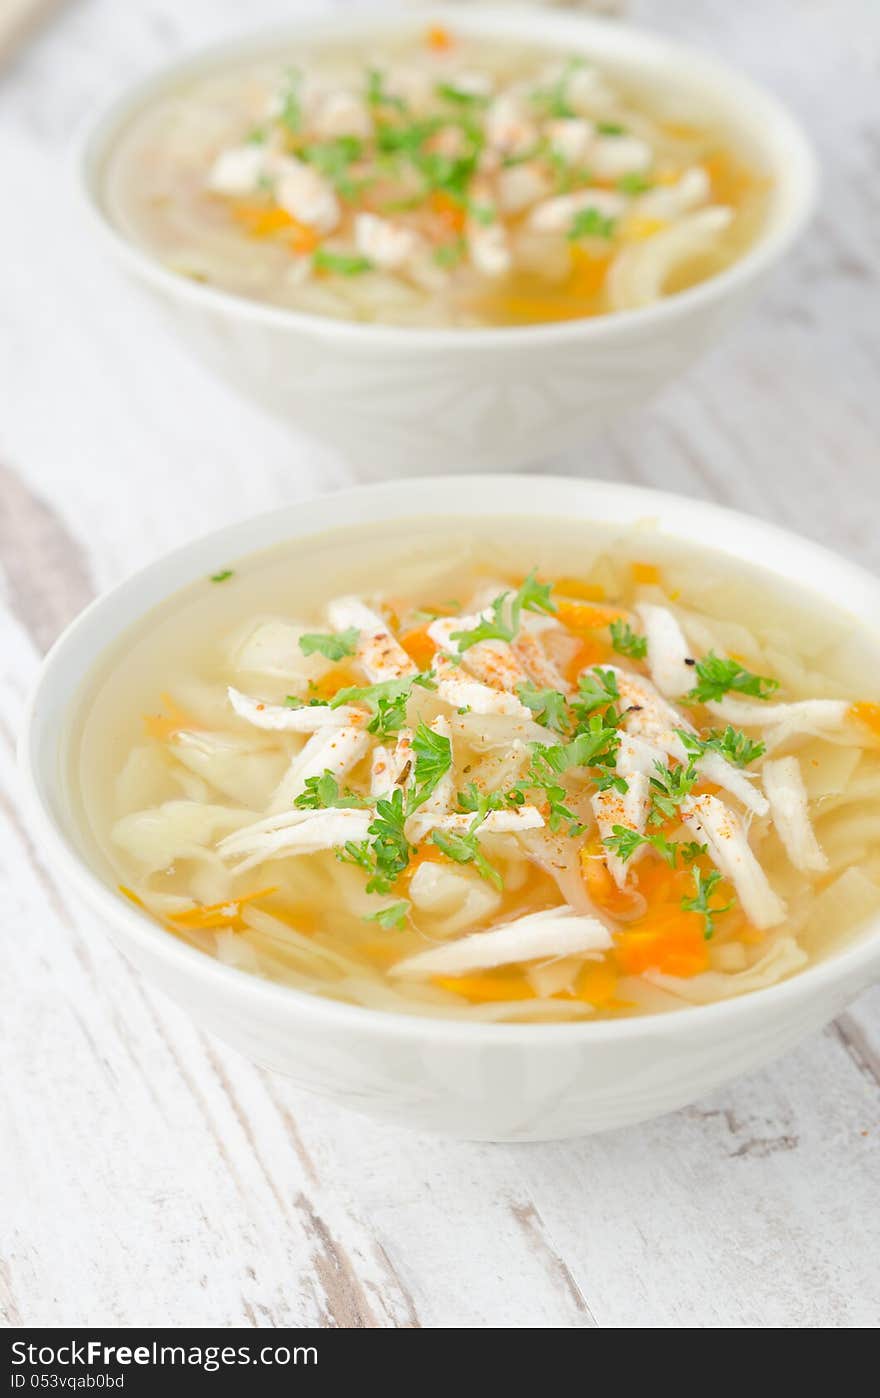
460,97
334,646
291,114
433,759
626,642
591,223
704,885
389,852
716,675
624,842
479,802
597,689
376,94
491,628
223,575
505,613
465,849
548,706
333,158
346,264
534,596
691,850
730,742
610,128
322,793
387,700
391,916
668,789
450,254
633,183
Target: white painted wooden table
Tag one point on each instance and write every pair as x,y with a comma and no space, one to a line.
149,1176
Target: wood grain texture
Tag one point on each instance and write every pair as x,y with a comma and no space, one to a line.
148,1175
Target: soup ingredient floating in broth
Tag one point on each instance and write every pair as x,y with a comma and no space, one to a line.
522,804
469,183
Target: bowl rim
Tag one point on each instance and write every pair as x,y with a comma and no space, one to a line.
629,504
798,171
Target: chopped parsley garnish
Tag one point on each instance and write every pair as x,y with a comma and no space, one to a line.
704,884
393,915
433,759
717,676
223,575
333,646
623,841
450,254
505,613
387,700
386,856
691,850
731,743
333,160
479,802
291,114
465,849
626,641
594,745
669,788
376,94
548,706
610,128
591,223
634,183
323,793
346,264
597,689
293,701
460,97
553,100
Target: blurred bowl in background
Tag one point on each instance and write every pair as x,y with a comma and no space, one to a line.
404,401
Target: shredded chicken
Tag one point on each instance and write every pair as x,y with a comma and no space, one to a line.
555,932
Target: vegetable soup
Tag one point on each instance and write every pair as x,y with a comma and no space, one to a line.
493,769
434,181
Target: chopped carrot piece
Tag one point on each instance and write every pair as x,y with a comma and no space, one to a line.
419,646
438,38
645,573
601,886
340,677
668,940
585,616
266,221
596,983
588,271
428,853
591,651
453,214
481,988
164,725
867,713
261,220
580,591
209,915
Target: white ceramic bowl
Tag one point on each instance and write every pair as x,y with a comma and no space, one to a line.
405,400
489,1081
